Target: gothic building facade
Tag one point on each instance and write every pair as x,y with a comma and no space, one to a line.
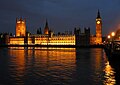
49,38
82,38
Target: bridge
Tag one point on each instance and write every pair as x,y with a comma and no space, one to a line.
112,44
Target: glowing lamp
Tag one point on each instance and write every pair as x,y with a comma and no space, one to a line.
108,36
113,34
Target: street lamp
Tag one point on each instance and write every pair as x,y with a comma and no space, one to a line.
108,44
108,36
113,34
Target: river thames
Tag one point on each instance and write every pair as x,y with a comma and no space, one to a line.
57,66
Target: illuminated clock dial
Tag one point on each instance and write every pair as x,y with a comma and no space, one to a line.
98,22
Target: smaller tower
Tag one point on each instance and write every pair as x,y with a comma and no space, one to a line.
46,29
20,27
40,31
98,29
87,36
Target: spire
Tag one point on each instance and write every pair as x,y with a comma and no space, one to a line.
16,19
98,14
46,26
20,18
40,31
46,29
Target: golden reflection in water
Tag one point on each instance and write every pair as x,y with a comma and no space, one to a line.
17,64
109,75
96,54
98,58
56,58
18,58
42,60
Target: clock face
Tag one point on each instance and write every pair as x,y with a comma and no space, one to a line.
98,22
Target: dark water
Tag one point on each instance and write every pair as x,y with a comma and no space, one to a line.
63,66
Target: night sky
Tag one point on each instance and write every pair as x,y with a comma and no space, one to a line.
62,15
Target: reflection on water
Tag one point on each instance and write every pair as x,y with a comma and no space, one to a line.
90,65
51,66
115,64
109,75
17,65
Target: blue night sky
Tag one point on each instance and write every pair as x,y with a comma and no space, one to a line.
62,15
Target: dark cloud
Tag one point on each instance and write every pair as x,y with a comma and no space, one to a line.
61,14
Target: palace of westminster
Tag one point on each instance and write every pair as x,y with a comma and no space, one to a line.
22,37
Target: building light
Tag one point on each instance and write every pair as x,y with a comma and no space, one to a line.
23,22
18,21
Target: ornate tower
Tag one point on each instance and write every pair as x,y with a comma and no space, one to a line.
20,27
98,29
46,29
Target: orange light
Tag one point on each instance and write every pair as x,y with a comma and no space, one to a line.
113,34
108,36
18,21
109,75
98,22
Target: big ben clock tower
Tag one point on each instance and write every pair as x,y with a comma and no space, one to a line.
98,29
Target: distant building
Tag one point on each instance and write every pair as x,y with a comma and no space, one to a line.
97,39
82,39
4,38
49,38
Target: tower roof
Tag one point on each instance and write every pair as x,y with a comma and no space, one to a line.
46,25
46,29
98,14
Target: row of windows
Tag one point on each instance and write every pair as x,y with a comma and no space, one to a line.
55,42
57,39
16,39
41,36
20,43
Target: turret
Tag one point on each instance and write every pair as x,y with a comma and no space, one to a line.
20,27
46,29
